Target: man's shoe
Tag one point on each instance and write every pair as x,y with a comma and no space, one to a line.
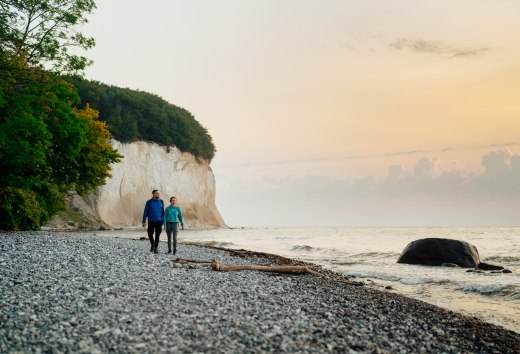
169,251
155,250
151,248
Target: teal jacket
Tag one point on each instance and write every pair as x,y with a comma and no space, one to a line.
173,214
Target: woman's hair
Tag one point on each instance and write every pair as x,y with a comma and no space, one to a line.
172,198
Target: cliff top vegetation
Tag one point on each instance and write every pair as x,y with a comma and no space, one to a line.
133,115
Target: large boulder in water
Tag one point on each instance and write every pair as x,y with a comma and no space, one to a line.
436,251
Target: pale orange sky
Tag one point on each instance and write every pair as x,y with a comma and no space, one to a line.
280,84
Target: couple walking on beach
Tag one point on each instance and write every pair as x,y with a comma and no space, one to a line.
159,217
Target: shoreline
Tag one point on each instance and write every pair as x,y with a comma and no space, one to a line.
374,283
253,310
492,310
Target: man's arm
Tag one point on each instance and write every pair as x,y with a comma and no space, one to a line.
145,214
162,208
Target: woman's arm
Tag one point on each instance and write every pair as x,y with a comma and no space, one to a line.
180,218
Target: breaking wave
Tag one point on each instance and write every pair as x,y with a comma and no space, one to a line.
503,259
343,262
501,289
208,243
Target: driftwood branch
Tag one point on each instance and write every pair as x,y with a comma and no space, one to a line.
274,269
226,267
191,262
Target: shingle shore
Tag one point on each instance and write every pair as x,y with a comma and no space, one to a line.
68,292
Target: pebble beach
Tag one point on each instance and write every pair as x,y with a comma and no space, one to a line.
72,292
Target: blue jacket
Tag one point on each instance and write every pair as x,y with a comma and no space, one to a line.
154,210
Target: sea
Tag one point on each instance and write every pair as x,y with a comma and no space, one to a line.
370,254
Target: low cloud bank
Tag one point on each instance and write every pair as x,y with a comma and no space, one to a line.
424,195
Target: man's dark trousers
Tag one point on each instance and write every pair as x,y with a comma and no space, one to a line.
157,227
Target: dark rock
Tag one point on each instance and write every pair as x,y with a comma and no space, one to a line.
444,252
506,271
436,251
485,266
474,271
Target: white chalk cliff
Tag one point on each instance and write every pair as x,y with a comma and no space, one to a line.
147,166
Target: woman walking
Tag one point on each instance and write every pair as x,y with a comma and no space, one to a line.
172,217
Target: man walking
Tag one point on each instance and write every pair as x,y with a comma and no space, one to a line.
154,211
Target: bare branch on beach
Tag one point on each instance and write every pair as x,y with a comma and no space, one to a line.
226,267
284,269
274,269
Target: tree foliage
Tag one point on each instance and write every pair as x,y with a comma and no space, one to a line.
42,32
20,209
93,163
136,115
48,145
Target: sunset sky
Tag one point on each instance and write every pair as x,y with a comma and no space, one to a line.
338,112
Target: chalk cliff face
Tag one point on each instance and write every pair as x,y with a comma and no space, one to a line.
148,166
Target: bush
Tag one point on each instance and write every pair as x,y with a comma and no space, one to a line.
20,209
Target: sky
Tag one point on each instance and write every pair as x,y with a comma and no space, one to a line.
336,113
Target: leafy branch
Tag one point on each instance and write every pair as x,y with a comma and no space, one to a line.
42,32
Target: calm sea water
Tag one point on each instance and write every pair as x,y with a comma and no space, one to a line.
371,254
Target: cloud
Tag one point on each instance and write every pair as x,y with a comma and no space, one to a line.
361,156
435,47
501,174
396,173
499,180
427,169
421,195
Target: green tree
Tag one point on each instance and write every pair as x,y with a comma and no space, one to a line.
96,155
42,32
47,144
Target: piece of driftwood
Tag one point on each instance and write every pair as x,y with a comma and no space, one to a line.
274,269
227,267
191,262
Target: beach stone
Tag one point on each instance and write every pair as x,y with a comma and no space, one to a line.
486,266
474,271
443,252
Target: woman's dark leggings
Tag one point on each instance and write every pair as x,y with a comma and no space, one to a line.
172,227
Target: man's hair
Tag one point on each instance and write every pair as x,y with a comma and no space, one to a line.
155,190
173,198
